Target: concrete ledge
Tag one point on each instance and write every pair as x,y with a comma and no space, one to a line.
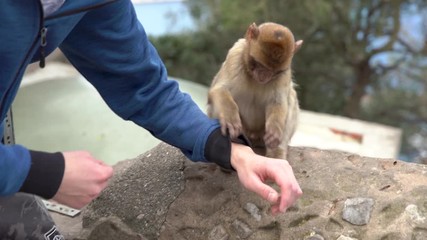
161,195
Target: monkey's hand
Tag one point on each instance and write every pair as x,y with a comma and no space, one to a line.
273,134
226,110
230,120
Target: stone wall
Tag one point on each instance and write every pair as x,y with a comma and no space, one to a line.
162,195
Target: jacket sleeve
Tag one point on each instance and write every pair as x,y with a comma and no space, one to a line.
15,164
111,49
23,170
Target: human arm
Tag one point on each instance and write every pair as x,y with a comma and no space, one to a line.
23,170
110,48
71,178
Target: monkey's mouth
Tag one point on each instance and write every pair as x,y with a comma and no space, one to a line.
263,77
263,81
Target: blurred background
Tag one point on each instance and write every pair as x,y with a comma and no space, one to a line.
362,61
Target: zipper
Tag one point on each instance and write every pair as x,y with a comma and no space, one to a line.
43,41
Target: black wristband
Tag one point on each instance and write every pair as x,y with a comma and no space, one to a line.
45,175
218,148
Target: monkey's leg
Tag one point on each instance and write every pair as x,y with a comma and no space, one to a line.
258,146
291,118
288,130
275,125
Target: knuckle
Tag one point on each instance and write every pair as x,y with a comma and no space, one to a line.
95,191
107,173
103,173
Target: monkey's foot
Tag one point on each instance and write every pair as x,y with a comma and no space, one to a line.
276,153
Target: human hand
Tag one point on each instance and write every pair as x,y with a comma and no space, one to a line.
84,179
253,170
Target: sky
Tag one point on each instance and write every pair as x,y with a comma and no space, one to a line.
161,17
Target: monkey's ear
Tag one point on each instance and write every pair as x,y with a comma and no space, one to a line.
252,32
298,45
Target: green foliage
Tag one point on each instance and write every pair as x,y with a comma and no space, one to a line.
190,56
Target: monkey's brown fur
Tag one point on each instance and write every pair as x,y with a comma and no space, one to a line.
253,92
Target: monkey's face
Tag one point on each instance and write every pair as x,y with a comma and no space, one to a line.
270,49
261,73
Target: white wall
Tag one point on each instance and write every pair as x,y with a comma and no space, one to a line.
326,131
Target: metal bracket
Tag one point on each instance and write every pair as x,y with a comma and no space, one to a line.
9,138
59,208
8,135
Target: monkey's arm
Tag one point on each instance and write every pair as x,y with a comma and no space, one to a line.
223,107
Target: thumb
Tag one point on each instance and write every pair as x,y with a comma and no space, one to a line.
265,191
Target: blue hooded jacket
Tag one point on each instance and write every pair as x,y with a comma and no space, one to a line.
106,43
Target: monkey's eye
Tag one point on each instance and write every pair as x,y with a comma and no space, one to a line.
277,73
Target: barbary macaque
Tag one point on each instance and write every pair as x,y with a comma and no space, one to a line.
253,92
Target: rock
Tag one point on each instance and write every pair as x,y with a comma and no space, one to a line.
242,229
416,217
164,196
345,238
218,233
253,210
140,194
315,236
357,211
111,228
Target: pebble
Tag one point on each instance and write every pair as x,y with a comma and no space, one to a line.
218,233
242,229
253,210
357,211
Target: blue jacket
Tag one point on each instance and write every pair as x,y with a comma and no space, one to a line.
106,43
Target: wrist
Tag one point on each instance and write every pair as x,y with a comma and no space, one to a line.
219,149
237,154
45,175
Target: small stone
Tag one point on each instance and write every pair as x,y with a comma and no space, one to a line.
414,214
346,238
315,237
242,229
112,228
357,211
253,210
218,233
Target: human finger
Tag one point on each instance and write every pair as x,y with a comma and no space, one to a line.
262,189
291,187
